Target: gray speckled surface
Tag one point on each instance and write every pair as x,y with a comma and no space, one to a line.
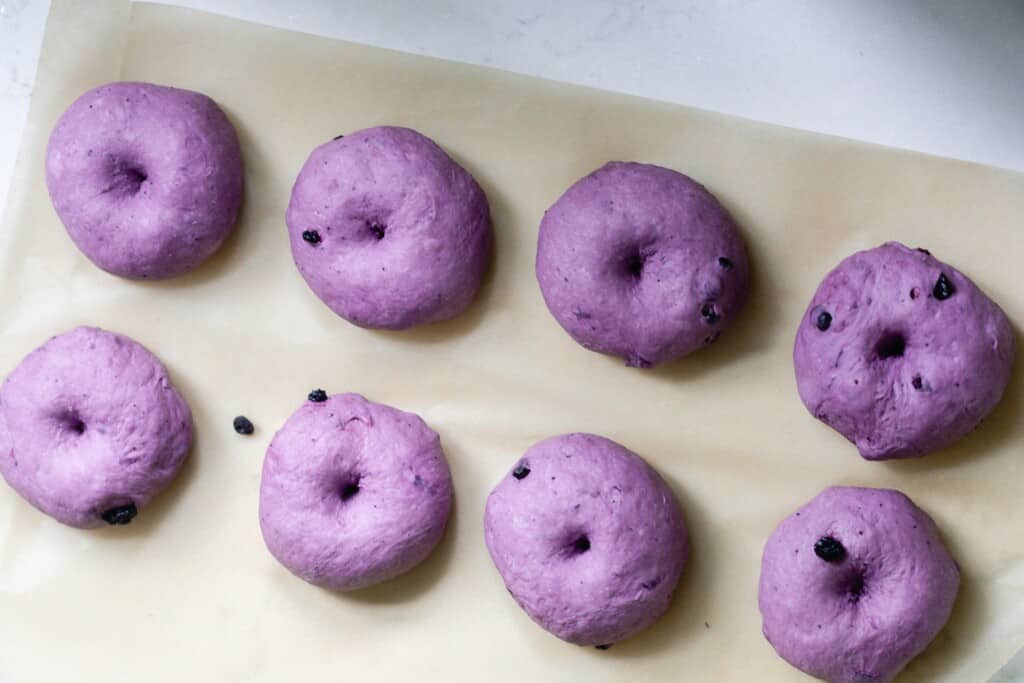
1013,672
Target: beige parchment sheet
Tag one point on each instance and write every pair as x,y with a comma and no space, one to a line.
188,591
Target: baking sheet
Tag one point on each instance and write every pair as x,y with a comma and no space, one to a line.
188,592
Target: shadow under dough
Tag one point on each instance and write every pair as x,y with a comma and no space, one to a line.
464,323
685,617
748,333
1003,425
416,581
151,516
957,640
246,227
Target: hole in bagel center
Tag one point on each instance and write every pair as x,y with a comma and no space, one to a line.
128,176
854,588
135,176
634,263
71,422
891,345
579,545
349,488
377,229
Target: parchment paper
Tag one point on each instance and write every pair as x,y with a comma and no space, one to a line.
188,592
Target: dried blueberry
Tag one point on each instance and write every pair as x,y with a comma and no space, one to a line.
943,288
823,321
311,236
710,313
917,383
924,251
338,137
378,229
317,396
829,549
243,425
122,514
725,263
521,471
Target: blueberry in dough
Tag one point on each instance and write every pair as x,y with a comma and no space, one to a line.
855,584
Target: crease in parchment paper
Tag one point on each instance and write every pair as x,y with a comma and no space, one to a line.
188,591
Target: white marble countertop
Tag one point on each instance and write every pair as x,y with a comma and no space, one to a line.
938,76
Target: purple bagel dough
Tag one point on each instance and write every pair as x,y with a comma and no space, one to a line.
641,262
89,423
898,371
388,230
589,540
353,493
146,179
864,616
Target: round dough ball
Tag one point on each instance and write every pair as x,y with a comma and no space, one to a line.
147,179
641,262
855,584
353,493
91,428
388,230
901,353
589,540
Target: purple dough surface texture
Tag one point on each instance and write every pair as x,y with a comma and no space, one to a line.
90,423
146,179
862,614
588,538
353,493
388,230
901,353
641,262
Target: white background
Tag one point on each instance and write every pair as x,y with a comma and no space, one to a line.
938,76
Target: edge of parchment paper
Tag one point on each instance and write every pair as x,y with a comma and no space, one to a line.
100,26
101,32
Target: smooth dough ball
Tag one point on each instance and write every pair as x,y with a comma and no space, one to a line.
91,428
901,353
588,538
388,230
855,584
353,493
147,179
641,262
